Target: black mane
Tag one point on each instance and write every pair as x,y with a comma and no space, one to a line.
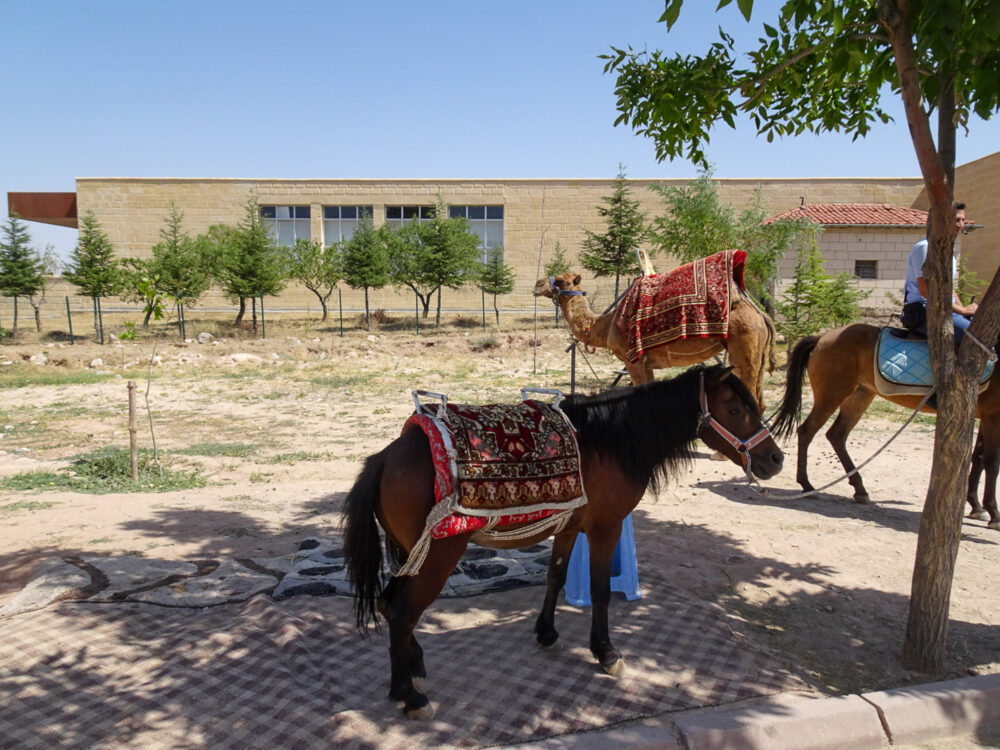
648,429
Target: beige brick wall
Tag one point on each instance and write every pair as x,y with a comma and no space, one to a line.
978,185
538,214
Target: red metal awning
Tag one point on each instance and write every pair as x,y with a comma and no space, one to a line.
48,208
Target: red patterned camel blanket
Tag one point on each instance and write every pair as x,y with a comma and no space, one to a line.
690,301
496,465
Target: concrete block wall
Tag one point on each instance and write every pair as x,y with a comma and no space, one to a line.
976,183
538,214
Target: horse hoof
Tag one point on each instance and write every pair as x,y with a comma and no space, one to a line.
615,669
993,525
978,515
862,499
421,714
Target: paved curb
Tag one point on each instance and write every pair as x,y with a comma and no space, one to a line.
796,721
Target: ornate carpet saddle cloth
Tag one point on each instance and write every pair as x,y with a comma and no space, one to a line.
903,365
693,300
497,465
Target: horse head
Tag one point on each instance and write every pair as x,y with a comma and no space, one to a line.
731,423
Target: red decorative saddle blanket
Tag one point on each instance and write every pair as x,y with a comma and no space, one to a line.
693,300
509,463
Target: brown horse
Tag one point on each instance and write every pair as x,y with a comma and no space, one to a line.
749,343
630,438
841,367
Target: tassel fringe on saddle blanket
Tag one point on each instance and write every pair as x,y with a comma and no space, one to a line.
497,465
693,300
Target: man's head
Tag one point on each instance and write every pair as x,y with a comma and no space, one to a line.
959,217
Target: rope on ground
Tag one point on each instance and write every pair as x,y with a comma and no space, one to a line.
864,463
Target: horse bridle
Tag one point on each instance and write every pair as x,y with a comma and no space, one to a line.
705,419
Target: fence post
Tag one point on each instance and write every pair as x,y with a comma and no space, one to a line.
263,327
340,304
69,317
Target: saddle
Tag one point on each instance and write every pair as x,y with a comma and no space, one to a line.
497,465
903,364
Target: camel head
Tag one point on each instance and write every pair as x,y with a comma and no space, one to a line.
564,282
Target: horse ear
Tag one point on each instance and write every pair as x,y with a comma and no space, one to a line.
577,279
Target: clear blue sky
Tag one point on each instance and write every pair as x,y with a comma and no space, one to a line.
394,89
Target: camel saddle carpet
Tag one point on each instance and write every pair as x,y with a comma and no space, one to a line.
294,673
693,300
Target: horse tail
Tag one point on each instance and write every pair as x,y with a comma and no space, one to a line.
787,415
362,549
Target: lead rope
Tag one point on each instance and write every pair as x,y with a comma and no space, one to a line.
856,469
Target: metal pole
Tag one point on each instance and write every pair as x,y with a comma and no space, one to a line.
69,317
340,303
572,370
416,312
100,318
132,431
483,290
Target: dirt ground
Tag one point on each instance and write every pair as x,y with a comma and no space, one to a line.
278,428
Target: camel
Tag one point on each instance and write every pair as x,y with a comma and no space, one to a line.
750,341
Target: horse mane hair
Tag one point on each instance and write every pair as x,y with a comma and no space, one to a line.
648,429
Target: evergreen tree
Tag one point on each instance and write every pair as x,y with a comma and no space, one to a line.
249,263
22,272
815,300
93,266
497,277
696,224
179,261
316,267
365,261
613,253
557,263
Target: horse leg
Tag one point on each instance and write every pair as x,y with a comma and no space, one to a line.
545,625
602,544
991,467
851,412
975,472
417,669
402,604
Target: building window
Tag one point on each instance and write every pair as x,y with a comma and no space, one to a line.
341,222
866,269
396,216
486,222
287,223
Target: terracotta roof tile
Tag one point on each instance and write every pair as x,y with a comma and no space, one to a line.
857,214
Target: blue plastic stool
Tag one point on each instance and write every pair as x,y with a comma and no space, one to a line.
624,568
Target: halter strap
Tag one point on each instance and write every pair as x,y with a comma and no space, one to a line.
564,292
705,419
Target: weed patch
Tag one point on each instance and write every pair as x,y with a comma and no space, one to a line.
229,450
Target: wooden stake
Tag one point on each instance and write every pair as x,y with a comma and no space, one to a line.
132,431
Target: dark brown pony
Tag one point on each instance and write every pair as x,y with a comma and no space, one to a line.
841,367
630,439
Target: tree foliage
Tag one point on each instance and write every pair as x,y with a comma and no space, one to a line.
613,252
179,261
93,266
248,263
824,66
365,261
22,271
496,277
816,300
696,224
557,263
317,268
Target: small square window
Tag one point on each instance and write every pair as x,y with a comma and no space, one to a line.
866,269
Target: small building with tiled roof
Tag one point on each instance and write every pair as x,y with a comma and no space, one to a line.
870,241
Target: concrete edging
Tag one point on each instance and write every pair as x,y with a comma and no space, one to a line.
798,721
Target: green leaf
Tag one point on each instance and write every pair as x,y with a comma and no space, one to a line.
746,8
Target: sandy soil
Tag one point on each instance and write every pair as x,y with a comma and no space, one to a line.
821,580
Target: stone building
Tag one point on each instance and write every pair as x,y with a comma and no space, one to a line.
529,217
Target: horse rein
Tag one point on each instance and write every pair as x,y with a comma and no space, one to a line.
705,419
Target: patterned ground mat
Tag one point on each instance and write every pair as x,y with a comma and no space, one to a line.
294,673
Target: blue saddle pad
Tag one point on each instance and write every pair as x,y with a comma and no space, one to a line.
908,361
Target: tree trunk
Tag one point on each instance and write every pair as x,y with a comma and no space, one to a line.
925,642
368,317
38,317
322,302
437,320
496,310
253,313
13,330
242,311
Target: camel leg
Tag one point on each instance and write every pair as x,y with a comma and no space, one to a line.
640,372
747,366
402,604
545,628
990,435
851,412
